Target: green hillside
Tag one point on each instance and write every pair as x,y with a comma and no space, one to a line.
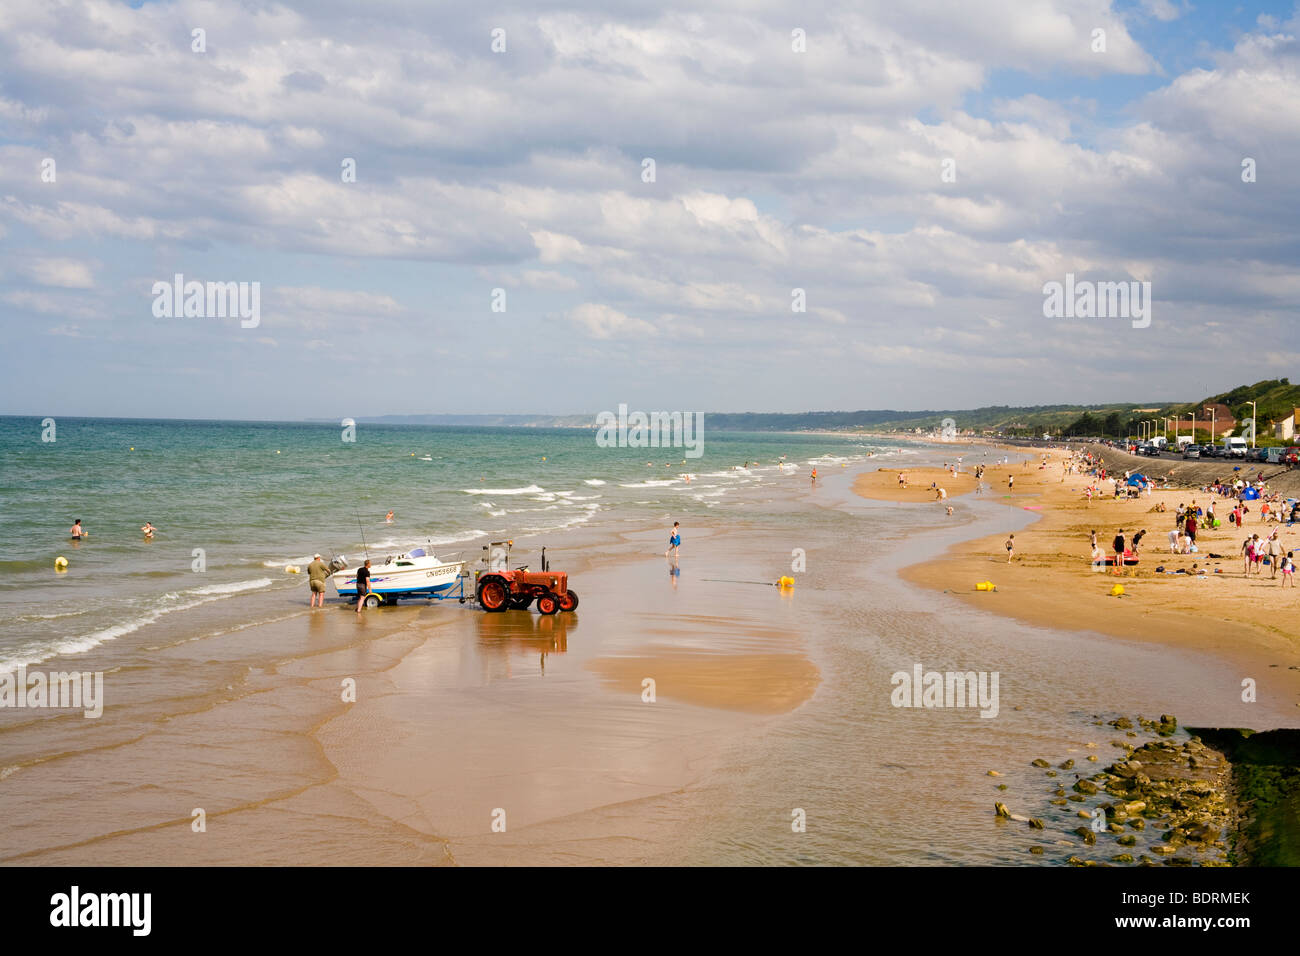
1276,399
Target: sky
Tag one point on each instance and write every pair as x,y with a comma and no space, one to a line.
913,174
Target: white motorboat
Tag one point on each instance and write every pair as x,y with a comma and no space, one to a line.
417,573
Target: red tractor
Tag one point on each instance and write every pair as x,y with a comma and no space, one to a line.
502,588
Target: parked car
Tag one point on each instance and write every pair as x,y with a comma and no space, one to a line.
1192,451
1212,451
1291,455
1257,454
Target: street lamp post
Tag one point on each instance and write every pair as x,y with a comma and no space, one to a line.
1254,426
1214,413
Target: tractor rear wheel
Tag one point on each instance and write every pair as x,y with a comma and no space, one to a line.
548,604
569,601
493,594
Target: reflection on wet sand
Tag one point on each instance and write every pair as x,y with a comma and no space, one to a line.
504,636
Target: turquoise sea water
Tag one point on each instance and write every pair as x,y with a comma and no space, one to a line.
253,497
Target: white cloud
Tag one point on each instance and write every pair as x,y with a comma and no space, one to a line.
1162,9
602,322
64,273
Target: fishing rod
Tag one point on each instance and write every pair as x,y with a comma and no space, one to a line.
360,528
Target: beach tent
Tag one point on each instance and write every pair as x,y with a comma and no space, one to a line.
1137,481
1250,494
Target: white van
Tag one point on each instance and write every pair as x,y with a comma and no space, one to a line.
1234,447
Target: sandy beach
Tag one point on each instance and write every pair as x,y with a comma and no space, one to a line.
1051,581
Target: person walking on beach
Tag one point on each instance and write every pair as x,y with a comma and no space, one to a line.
674,540
1288,570
317,574
1137,541
363,584
1011,547
814,476
1190,525
1011,482
1247,555
1274,549
1092,541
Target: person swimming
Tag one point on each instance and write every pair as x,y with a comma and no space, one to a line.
389,518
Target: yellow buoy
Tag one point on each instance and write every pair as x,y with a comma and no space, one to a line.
60,563
292,569
986,586
786,582
133,448
1117,590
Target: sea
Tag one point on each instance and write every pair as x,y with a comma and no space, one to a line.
236,503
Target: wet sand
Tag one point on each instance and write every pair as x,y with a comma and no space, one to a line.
463,721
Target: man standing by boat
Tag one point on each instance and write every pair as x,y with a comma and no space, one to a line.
363,584
317,574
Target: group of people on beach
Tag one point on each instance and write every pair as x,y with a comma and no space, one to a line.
1256,552
1126,551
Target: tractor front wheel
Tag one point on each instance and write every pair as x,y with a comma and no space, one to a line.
494,595
548,604
569,601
